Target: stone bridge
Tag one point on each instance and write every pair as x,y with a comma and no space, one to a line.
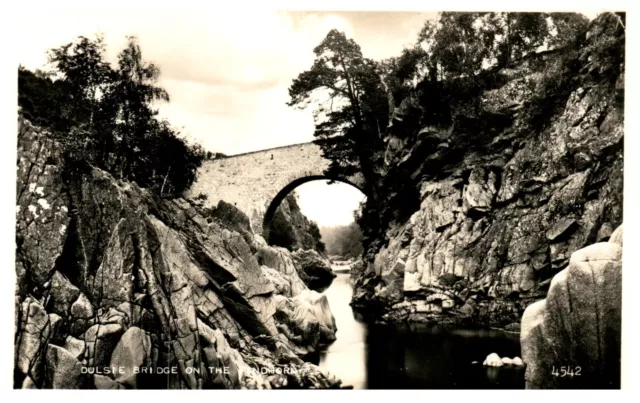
256,182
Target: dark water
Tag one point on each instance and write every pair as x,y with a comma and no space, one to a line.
369,356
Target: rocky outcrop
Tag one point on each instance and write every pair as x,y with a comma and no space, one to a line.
571,339
291,229
500,203
313,269
120,289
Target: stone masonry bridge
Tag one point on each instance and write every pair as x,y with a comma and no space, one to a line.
256,182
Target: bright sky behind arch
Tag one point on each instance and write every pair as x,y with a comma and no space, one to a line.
329,205
229,84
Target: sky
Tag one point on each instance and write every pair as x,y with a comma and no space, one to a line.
227,72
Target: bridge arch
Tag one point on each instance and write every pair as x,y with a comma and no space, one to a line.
258,180
277,199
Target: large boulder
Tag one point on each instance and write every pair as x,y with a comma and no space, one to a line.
64,370
132,352
313,269
576,329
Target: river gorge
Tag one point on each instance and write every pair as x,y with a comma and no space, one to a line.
497,230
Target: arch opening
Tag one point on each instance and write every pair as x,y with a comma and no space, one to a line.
276,201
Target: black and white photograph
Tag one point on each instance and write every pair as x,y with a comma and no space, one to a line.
317,199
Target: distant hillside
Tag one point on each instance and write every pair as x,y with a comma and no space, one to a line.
343,240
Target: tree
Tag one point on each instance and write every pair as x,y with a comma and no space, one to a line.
42,100
134,91
82,68
105,117
456,44
463,44
354,112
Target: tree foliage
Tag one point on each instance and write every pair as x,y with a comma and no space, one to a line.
105,116
464,44
352,109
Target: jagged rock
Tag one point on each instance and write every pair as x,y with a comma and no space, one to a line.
280,283
33,336
41,205
291,229
584,296
81,308
155,274
560,228
280,259
479,193
314,270
132,351
64,371
62,294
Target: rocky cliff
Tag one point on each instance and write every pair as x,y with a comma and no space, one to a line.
293,230
119,289
491,205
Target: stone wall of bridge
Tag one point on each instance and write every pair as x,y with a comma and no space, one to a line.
251,181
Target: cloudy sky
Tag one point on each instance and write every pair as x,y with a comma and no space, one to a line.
228,72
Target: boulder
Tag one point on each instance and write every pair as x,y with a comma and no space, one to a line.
81,308
493,360
314,306
100,341
75,347
64,371
578,324
132,351
313,269
33,336
517,361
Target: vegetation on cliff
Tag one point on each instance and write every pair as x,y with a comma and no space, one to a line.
105,116
440,82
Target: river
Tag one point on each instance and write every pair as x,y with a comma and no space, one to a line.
372,356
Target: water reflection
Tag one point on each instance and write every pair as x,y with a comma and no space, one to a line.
413,356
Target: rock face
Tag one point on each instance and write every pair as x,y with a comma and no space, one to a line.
314,270
500,205
291,229
576,328
110,276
